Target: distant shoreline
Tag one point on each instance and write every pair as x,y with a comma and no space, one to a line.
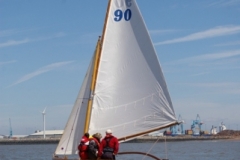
183,138
137,140
29,141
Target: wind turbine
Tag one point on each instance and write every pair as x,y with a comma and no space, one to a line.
44,113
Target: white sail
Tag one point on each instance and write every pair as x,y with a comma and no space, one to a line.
131,95
75,126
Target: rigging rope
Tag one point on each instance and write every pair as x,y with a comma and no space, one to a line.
166,152
151,148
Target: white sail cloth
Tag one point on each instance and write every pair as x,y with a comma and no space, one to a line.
74,128
131,95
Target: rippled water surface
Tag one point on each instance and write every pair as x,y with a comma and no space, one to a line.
186,150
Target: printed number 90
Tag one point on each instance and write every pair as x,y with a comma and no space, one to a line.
119,15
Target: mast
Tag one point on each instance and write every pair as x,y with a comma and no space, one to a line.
92,87
105,22
97,56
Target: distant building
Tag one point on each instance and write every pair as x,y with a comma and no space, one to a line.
222,127
48,134
13,136
18,136
213,130
156,133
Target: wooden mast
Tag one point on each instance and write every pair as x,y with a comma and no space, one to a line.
97,56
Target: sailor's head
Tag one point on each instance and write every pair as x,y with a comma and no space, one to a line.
86,134
108,132
97,135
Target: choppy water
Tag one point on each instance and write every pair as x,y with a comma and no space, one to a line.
185,150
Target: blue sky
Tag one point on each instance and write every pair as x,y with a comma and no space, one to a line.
45,48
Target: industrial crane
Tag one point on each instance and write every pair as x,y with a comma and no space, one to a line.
173,130
196,126
180,126
178,129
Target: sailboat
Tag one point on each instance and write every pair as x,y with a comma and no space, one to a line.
124,88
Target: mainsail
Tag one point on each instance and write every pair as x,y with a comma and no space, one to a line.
130,95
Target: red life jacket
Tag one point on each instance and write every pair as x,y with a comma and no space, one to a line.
109,144
95,140
83,147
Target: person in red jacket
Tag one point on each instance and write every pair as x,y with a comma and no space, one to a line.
94,144
108,147
83,147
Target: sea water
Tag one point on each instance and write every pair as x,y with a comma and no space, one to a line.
184,150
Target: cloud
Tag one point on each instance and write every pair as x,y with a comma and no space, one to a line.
207,85
229,44
8,62
215,56
13,43
214,32
224,3
7,33
162,31
208,57
200,74
41,71
232,88
10,32
27,40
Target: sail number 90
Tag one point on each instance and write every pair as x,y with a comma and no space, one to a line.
119,14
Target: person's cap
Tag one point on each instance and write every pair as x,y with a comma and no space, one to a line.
109,131
97,135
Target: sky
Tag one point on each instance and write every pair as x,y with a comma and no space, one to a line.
46,46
